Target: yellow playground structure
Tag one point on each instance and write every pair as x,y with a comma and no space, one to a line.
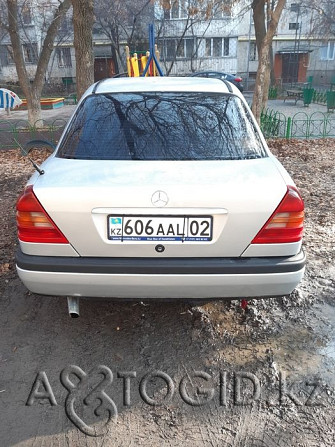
146,64
136,63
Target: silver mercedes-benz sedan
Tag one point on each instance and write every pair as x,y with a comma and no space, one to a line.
161,188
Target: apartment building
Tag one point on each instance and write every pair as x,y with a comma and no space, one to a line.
298,53
217,38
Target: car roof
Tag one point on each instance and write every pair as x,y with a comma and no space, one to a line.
162,84
198,73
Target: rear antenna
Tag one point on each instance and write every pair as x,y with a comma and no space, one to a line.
25,153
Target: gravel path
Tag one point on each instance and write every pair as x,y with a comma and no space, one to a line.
289,108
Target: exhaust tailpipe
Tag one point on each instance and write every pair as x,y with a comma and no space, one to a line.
73,305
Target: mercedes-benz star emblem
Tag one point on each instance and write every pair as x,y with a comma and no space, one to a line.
159,198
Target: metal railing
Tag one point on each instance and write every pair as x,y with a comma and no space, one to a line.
273,92
301,125
319,96
273,124
14,132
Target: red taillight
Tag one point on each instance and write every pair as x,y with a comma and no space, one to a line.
238,79
286,223
33,223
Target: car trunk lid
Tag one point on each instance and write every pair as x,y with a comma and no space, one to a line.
236,197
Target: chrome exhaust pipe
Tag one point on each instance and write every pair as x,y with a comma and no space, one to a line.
73,305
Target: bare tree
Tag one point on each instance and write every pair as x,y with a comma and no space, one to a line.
83,20
266,14
64,36
3,23
266,22
193,12
33,89
322,20
323,17
124,21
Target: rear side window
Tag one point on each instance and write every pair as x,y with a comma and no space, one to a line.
161,126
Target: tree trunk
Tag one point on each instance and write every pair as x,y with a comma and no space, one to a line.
272,71
33,90
270,8
83,19
258,13
34,109
22,74
263,72
115,59
262,83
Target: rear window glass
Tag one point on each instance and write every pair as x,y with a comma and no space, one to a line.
161,126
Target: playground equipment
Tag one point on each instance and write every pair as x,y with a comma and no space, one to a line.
9,100
145,65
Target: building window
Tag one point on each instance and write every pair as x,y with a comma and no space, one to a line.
179,48
10,55
220,47
294,7
97,30
217,11
3,55
216,47
26,14
6,55
64,57
178,9
293,25
170,49
30,52
208,47
66,25
185,48
181,9
189,48
221,9
226,51
253,51
327,52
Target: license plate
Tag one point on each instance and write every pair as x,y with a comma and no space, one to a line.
160,228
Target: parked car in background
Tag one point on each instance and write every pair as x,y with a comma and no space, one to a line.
161,188
236,80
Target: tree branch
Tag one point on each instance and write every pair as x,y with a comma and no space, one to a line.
48,44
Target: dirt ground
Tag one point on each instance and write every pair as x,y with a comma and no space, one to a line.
215,375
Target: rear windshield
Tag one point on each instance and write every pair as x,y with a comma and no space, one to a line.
161,126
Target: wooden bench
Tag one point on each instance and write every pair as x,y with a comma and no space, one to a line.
294,94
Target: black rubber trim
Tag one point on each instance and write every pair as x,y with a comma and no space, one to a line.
161,266
227,85
96,85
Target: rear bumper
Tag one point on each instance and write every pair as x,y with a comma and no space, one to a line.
161,277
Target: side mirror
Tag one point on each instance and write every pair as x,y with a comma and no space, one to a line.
35,144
